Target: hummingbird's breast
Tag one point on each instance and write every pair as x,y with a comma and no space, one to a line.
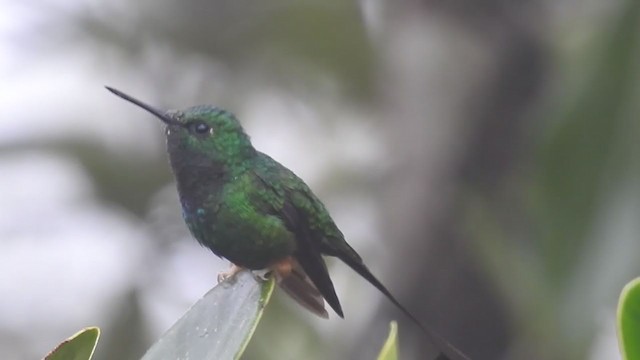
227,209
200,201
199,184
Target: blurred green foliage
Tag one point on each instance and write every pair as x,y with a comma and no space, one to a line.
389,350
80,346
585,163
629,320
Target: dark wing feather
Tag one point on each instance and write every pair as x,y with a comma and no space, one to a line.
286,185
309,257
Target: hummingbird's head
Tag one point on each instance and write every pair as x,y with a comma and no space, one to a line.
201,135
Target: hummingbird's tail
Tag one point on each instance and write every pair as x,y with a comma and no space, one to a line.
356,263
303,291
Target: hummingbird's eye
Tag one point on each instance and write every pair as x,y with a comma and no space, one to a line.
200,128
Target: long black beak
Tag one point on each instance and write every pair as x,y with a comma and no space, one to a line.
160,114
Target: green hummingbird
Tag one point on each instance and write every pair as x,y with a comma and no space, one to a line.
248,208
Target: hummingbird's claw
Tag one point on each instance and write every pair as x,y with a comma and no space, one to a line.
230,274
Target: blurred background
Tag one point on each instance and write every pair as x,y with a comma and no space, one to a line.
483,158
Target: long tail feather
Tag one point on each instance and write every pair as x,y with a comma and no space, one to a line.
451,352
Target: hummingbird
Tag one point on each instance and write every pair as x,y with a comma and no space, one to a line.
251,210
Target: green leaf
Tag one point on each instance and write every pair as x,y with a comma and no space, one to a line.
218,326
79,346
390,348
629,321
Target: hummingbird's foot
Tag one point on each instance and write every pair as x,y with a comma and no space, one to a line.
283,268
229,274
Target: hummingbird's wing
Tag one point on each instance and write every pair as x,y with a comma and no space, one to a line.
309,256
297,213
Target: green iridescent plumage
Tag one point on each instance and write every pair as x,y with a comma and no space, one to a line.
251,210
245,206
